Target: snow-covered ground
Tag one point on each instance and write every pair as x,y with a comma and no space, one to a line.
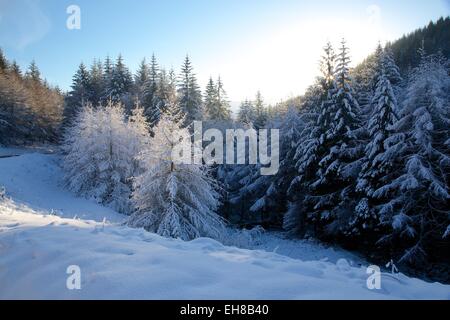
45,229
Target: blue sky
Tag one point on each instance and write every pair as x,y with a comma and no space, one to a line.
272,46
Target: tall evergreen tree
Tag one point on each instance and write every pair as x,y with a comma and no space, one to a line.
174,199
33,72
141,79
150,99
210,104
327,162
15,69
79,94
246,112
121,81
189,95
260,112
97,84
222,100
417,212
380,163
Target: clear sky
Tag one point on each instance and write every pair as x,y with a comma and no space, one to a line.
272,46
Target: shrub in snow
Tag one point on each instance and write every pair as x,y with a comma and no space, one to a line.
171,198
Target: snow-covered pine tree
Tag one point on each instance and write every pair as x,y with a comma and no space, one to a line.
210,103
189,94
121,82
328,163
246,114
79,94
140,80
108,68
171,198
269,193
417,212
391,69
365,77
222,99
33,72
151,100
165,92
381,159
310,148
96,83
260,112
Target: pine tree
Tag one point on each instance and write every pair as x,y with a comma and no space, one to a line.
328,160
108,68
392,70
269,192
151,101
96,83
15,69
260,112
121,81
210,104
380,160
3,62
141,79
189,95
311,146
33,72
246,112
224,112
79,95
418,208
174,199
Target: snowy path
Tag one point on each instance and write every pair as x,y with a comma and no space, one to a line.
36,247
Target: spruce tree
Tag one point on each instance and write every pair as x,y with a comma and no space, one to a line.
380,163
33,72
121,81
189,95
79,94
140,80
210,104
246,112
224,112
260,112
150,98
417,211
96,83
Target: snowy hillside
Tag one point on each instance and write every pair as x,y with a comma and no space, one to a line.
44,229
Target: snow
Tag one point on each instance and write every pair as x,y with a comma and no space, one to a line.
35,180
37,245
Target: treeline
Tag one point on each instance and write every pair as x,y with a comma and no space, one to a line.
434,38
152,86
30,109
